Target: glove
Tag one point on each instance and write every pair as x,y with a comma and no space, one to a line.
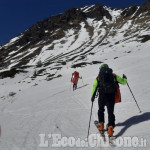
92,99
124,76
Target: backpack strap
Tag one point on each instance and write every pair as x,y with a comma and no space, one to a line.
97,93
115,76
97,78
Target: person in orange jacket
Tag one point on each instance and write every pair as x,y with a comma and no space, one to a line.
109,93
74,79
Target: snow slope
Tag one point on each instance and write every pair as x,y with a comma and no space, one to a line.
50,107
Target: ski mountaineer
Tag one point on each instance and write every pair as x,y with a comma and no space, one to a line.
106,84
74,79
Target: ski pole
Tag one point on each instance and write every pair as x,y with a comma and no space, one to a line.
82,81
90,121
0,130
70,85
134,97
70,82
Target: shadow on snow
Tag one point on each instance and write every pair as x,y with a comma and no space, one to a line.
133,121
82,86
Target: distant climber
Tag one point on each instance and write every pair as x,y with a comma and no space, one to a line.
74,79
106,85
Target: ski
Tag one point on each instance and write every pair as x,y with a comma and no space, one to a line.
101,132
112,141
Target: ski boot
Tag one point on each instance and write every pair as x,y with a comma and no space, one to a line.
110,131
101,127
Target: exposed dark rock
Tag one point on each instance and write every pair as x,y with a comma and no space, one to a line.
37,32
129,11
51,77
144,8
96,62
98,12
12,93
72,14
145,38
83,64
10,73
115,57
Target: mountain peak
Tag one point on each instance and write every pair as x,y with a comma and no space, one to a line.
129,11
98,12
72,14
145,8
72,36
146,5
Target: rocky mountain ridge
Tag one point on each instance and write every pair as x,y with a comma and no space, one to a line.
68,39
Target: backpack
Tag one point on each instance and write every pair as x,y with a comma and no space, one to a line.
75,77
76,74
106,81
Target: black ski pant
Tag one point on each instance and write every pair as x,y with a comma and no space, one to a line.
74,86
107,100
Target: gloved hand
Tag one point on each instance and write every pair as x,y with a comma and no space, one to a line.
124,76
92,99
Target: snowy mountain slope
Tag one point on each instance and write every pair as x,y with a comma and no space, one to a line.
52,107
38,98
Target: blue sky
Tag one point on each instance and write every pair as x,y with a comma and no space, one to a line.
18,15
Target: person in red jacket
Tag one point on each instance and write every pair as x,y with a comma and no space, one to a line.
74,79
